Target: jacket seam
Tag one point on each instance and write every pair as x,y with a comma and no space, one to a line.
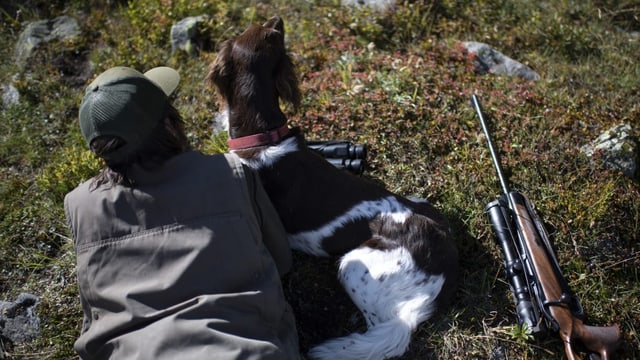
155,230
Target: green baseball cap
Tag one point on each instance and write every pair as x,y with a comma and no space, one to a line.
124,102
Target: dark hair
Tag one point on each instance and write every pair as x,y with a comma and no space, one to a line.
165,141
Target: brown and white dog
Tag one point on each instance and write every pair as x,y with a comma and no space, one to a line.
398,264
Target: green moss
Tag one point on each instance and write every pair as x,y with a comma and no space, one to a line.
72,166
398,82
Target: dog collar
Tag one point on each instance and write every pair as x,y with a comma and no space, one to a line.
266,138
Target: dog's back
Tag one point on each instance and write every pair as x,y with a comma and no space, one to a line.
398,262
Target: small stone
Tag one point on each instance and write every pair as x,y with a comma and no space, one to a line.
616,148
490,60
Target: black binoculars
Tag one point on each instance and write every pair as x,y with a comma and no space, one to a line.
338,149
342,154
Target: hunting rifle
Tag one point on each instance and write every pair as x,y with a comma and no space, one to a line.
541,293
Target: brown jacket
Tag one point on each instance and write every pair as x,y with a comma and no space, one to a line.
183,265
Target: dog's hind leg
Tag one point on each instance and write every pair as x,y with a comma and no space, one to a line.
394,296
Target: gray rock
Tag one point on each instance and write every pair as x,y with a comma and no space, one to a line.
616,148
43,31
185,34
378,5
18,320
10,96
220,122
490,60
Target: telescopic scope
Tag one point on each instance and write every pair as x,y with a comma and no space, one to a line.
513,267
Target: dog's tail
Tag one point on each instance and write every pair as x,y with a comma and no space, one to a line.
381,341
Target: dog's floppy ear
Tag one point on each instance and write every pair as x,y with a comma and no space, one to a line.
287,82
275,23
286,77
220,71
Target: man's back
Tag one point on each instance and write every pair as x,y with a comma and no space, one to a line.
175,266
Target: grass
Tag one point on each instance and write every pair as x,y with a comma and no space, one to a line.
398,82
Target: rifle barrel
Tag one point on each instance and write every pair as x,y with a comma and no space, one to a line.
494,155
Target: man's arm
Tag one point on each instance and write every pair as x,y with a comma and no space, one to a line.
273,232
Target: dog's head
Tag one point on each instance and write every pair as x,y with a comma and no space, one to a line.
254,70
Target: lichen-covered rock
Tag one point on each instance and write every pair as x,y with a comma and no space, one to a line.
18,320
185,34
35,33
377,5
10,95
616,148
490,60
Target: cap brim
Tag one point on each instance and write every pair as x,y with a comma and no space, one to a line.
164,77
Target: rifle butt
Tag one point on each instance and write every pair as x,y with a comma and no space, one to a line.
603,340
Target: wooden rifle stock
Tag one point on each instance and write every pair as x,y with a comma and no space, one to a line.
560,306
518,227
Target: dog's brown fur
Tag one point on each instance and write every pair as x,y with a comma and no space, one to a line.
256,101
